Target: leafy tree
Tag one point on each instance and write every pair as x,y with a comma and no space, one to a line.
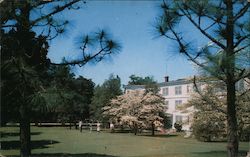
208,125
136,80
243,116
136,110
209,122
149,83
225,23
26,28
85,87
103,94
75,94
151,109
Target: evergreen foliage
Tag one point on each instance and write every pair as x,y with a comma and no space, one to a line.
225,23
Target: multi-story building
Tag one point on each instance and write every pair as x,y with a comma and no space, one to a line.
176,94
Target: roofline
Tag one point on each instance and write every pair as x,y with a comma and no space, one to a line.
162,84
188,80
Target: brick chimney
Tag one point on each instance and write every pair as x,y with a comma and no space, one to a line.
166,78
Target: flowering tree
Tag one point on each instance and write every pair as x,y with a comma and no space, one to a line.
137,110
209,118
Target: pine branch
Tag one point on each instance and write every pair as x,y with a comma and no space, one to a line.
57,10
4,26
206,15
188,15
242,75
241,12
86,59
208,27
194,60
240,40
242,48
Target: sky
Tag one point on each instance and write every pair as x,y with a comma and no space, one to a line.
131,23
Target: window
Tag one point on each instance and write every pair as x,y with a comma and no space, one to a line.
177,102
166,105
178,90
178,118
164,91
188,88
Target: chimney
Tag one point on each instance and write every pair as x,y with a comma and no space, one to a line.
166,78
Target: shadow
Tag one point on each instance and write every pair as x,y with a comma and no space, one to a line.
218,153
122,131
160,135
8,145
69,155
7,134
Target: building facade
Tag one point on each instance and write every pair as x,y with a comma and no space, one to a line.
176,94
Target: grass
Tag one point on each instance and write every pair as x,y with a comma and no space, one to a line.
56,141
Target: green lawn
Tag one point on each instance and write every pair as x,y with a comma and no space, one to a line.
55,141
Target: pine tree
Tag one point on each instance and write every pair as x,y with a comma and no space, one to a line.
226,24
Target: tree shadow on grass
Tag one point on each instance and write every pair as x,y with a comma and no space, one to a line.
69,155
160,135
39,144
7,134
218,153
122,131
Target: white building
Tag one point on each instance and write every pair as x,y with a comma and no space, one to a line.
177,93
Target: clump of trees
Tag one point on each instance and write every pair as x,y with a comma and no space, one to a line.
136,110
72,95
102,96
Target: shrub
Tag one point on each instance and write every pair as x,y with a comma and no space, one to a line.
208,126
178,126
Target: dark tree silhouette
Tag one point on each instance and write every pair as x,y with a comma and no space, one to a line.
26,28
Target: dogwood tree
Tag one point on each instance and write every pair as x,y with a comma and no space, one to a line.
209,118
137,110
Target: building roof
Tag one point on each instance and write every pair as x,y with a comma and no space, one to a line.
162,84
175,82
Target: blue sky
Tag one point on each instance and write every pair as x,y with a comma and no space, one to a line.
131,23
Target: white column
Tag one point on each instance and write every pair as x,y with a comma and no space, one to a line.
173,121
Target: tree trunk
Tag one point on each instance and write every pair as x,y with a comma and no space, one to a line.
25,149
75,124
233,142
153,129
36,123
70,122
232,134
135,129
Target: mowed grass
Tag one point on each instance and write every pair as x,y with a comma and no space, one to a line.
58,141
